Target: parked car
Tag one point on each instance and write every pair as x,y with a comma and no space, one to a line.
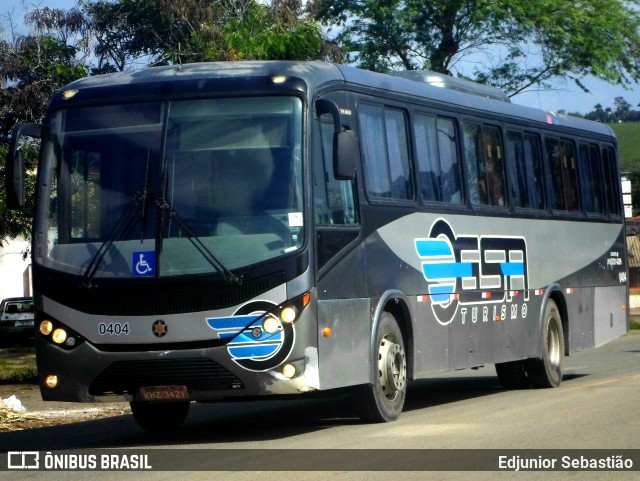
16,319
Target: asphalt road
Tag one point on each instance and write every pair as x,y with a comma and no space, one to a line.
595,408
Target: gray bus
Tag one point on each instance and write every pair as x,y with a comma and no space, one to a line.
232,230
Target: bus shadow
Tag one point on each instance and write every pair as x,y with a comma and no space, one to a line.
426,393
246,422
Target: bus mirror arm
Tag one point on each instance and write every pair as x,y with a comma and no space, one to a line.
15,164
346,150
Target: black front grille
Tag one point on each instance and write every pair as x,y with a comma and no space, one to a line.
150,297
200,374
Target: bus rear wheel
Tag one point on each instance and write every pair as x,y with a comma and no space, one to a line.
160,416
383,400
547,370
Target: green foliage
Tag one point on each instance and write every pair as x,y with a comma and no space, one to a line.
181,31
260,35
628,134
18,365
515,44
32,69
18,223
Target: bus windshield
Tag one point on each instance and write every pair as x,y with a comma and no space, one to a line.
130,186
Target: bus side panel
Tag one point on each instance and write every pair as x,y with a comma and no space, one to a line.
495,332
581,319
431,340
344,308
344,353
610,313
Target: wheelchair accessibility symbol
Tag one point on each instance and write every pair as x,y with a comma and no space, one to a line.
144,264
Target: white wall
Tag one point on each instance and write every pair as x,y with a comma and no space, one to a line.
15,273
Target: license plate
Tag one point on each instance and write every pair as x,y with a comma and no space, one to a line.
164,393
24,323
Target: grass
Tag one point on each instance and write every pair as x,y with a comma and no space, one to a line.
628,135
18,365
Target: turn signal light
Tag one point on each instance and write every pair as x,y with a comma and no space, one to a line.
46,327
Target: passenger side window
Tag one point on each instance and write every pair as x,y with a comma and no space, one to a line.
385,150
524,170
562,160
591,178
484,164
437,156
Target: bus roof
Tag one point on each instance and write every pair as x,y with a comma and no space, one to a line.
318,73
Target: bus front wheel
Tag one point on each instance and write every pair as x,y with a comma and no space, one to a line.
160,416
383,400
547,370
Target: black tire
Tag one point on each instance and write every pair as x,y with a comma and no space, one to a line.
383,401
547,371
160,416
513,375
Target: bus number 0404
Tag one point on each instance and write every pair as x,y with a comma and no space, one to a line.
113,329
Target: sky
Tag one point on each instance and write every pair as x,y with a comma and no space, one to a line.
565,96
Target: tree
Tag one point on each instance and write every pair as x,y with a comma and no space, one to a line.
182,31
32,68
515,45
275,33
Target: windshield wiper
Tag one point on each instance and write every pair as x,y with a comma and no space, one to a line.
121,229
124,225
227,275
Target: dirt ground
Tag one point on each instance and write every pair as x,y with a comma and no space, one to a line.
40,413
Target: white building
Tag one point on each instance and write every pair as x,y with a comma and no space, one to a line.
15,273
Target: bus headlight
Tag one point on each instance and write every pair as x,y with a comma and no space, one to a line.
289,314
270,325
59,336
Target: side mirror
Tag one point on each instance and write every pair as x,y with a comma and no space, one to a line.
15,170
346,150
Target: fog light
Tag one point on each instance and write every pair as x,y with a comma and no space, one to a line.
270,325
59,336
288,371
51,381
288,314
46,327
71,341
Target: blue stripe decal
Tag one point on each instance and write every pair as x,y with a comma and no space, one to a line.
248,337
253,351
448,270
433,248
232,322
512,268
440,292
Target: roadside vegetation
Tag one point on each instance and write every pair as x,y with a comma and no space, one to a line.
17,365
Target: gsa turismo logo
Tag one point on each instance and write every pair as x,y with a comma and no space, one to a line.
470,269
